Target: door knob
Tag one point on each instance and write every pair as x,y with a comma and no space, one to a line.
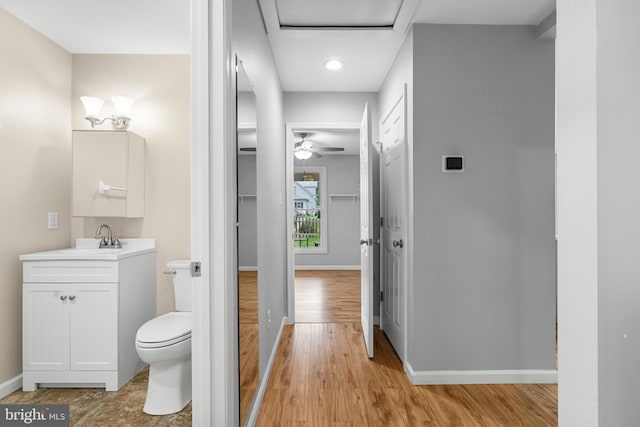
72,297
364,242
398,243
63,297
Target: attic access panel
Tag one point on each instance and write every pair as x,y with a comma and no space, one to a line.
337,13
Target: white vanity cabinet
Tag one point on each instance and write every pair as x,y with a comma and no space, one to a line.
80,318
70,326
108,174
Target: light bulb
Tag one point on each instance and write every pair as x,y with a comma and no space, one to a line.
302,154
333,64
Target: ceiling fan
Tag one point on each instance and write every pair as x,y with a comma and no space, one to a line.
304,149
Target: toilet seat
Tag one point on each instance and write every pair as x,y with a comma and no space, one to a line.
166,330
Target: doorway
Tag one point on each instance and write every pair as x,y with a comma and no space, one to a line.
324,222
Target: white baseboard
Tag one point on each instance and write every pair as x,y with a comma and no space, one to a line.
327,267
516,376
247,268
252,418
11,385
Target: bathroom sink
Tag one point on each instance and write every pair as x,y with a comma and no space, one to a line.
88,249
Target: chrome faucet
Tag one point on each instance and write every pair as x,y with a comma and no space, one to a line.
109,241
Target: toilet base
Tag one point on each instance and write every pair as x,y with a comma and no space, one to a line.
169,388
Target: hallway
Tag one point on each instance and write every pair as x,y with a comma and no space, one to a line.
322,376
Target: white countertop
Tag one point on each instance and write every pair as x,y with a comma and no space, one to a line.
88,249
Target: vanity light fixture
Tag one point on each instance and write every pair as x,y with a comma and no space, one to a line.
120,120
333,65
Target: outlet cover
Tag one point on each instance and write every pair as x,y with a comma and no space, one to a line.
52,220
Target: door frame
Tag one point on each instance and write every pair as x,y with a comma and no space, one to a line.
290,127
215,374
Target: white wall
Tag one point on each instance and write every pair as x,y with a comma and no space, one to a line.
35,145
618,128
343,214
251,44
159,85
577,213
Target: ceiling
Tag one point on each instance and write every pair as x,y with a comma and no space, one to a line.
114,26
162,26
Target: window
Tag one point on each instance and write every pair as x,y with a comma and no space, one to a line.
309,218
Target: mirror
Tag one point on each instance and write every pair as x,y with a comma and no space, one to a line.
247,248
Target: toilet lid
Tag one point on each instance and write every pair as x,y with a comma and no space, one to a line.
167,329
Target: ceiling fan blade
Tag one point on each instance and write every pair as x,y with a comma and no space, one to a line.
247,149
316,155
327,149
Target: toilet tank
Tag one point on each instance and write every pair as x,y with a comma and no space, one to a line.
181,283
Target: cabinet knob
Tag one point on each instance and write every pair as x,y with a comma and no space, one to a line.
63,297
72,297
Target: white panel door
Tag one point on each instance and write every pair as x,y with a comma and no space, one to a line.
394,213
366,232
45,319
93,327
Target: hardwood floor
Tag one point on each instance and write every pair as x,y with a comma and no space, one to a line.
248,339
322,376
327,296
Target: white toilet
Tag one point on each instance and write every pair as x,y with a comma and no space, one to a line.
165,344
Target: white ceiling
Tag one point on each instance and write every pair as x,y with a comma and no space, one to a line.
114,26
367,54
162,26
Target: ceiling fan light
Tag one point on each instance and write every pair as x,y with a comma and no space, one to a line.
302,154
306,145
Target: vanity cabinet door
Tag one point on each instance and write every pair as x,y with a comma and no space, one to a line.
93,327
45,341
115,158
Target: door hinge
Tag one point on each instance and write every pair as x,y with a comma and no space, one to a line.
381,296
196,269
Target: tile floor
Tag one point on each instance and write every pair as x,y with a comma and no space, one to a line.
99,408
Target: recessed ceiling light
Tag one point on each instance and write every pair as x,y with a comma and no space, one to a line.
333,64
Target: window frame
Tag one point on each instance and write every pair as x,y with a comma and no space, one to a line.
324,209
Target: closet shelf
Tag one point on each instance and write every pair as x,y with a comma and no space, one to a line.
353,197
246,196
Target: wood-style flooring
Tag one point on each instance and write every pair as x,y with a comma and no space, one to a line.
327,296
322,377
248,339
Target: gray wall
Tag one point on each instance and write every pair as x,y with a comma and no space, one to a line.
483,267
252,46
343,215
618,127
331,107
